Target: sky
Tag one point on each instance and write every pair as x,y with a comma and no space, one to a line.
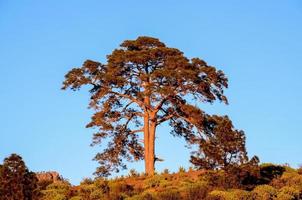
256,43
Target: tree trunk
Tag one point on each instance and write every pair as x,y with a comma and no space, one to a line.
147,135
149,139
151,163
149,132
146,141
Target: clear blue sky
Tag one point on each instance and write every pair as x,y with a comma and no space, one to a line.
257,43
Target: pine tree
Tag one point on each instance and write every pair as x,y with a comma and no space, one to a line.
17,182
143,84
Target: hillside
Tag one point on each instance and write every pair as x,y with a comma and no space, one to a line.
266,182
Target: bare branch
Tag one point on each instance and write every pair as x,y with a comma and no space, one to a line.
160,104
167,117
140,103
137,131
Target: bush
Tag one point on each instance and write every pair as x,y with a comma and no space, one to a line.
86,190
133,173
169,195
165,172
264,192
152,181
181,170
299,170
288,179
145,196
56,191
196,191
86,181
120,190
270,171
229,195
76,198
288,193
219,195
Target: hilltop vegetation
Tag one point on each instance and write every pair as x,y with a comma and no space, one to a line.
266,182
245,182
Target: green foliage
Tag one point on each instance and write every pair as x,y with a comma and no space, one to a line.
56,191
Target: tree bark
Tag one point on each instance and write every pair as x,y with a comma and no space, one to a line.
151,163
147,134
149,131
146,141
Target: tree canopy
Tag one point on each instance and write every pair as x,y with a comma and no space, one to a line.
16,181
143,84
223,147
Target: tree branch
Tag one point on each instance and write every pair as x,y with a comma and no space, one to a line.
140,103
167,117
137,131
160,104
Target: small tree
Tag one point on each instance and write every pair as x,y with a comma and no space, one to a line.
143,84
224,145
16,181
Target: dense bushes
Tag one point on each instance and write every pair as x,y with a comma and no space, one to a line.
266,181
244,182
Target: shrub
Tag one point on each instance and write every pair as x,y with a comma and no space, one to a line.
288,179
215,179
165,172
56,191
270,171
86,181
169,195
133,173
299,170
120,190
219,195
288,193
181,170
86,190
102,185
76,198
264,192
42,184
229,195
196,191
152,181
144,196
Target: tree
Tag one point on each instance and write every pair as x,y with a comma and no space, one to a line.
17,182
143,84
223,147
